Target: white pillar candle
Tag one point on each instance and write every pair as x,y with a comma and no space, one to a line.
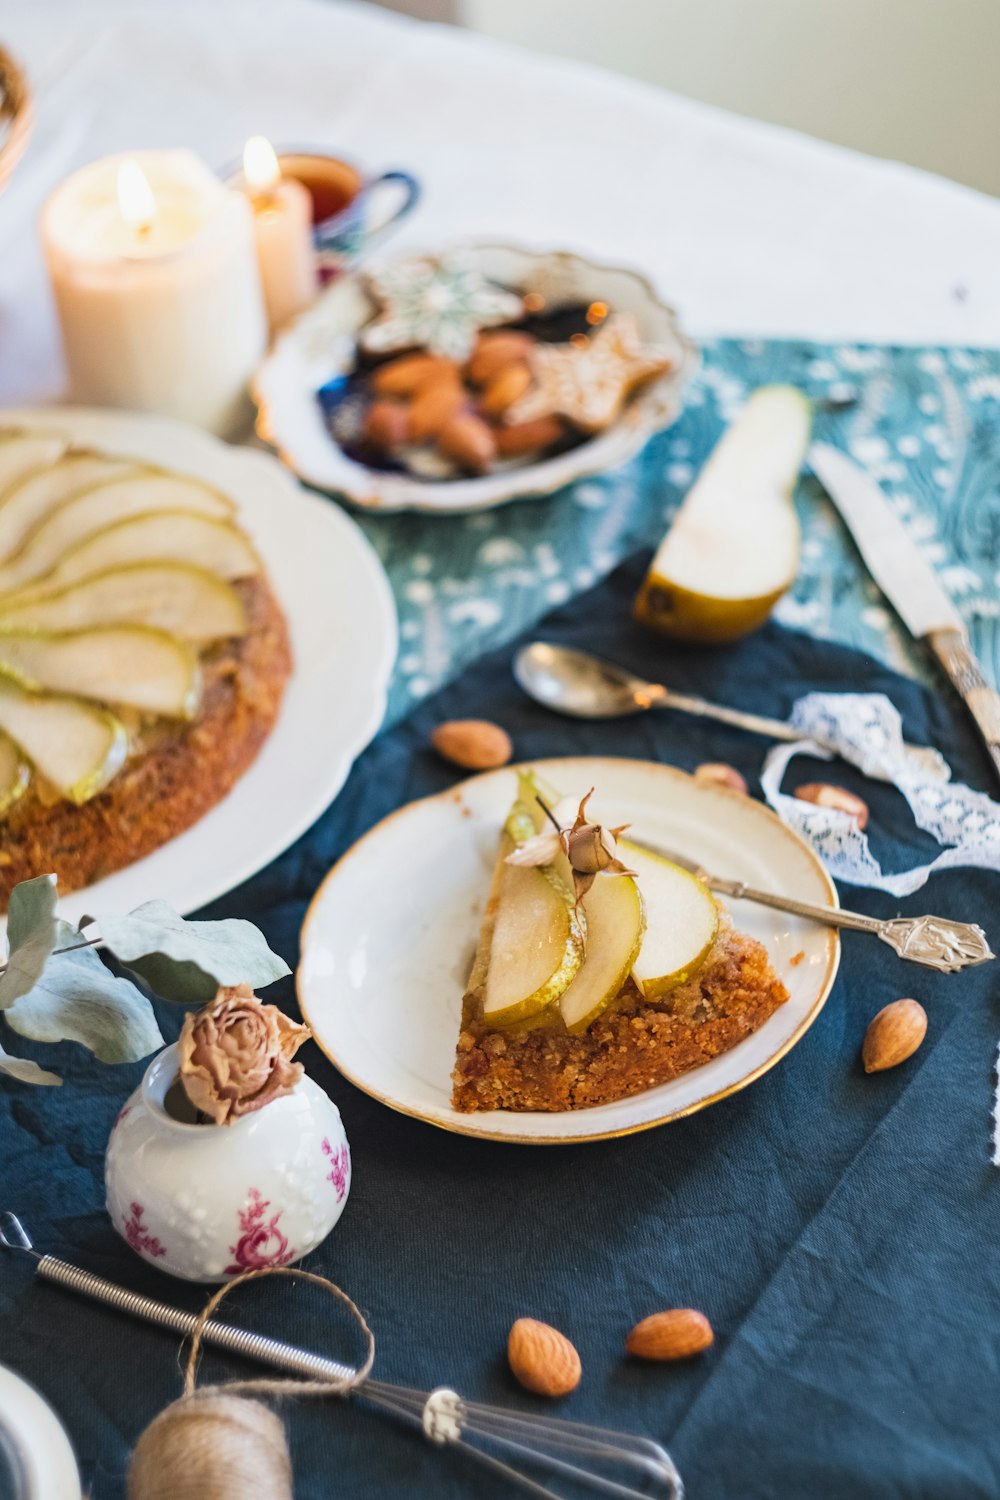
154,272
282,216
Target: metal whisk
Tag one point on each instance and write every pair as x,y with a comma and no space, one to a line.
490,1434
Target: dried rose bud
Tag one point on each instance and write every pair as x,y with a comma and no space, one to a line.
236,1054
591,848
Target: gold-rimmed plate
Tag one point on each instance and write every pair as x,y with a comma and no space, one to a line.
388,940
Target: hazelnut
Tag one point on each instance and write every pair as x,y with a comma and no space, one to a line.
837,797
717,773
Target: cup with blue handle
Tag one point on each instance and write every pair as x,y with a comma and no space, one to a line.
351,211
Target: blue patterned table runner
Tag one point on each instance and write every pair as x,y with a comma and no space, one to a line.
924,422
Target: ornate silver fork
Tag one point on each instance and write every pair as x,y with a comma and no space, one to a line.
936,942
546,1443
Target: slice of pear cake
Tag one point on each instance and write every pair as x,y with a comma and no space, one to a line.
590,985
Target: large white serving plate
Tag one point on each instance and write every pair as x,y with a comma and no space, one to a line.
388,940
342,620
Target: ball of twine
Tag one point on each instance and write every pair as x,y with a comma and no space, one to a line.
213,1443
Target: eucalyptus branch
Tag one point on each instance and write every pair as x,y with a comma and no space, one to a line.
69,948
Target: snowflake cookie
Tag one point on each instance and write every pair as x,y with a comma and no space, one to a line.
438,305
589,382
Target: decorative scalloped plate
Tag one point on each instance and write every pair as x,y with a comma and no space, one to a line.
380,981
320,345
342,620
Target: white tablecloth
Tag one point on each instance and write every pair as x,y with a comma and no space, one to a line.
747,228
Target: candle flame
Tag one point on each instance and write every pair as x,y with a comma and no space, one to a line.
136,198
260,165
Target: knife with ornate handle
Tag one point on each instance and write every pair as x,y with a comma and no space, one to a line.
909,583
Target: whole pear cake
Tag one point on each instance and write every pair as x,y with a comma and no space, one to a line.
143,657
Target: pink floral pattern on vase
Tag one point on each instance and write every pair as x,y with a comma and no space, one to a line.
261,1242
340,1167
138,1236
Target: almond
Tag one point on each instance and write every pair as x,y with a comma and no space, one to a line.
542,1358
385,424
433,406
474,744
468,441
675,1334
494,350
838,797
506,386
717,773
893,1035
406,376
527,437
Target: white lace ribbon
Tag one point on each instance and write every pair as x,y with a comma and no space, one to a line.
865,729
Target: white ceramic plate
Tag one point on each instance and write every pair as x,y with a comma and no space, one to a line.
321,344
381,977
42,1457
342,620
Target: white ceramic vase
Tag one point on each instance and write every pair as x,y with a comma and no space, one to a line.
208,1201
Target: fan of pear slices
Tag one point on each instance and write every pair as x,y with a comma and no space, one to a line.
114,576
551,953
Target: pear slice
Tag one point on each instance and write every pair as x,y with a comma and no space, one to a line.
537,944
20,452
681,922
123,665
160,536
76,746
187,602
99,507
15,774
616,922
733,547
24,504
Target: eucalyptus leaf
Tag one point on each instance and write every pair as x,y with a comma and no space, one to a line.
78,1000
26,1071
187,961
31,936
173,979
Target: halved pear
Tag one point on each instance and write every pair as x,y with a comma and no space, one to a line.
20,452
15,773
733,547
681,921
186,602
616,922
160,536
75,745
98,507
24,504
536,948
122,665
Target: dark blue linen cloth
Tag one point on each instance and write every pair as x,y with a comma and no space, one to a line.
840,1230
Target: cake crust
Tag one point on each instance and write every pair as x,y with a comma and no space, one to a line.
179,776
634,1045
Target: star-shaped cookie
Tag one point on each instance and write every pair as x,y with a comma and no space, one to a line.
588,383
438,305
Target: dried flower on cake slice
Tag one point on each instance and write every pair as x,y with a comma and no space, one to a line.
591,848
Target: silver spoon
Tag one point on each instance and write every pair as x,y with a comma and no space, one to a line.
584,686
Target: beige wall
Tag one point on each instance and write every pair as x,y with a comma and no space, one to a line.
916,80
